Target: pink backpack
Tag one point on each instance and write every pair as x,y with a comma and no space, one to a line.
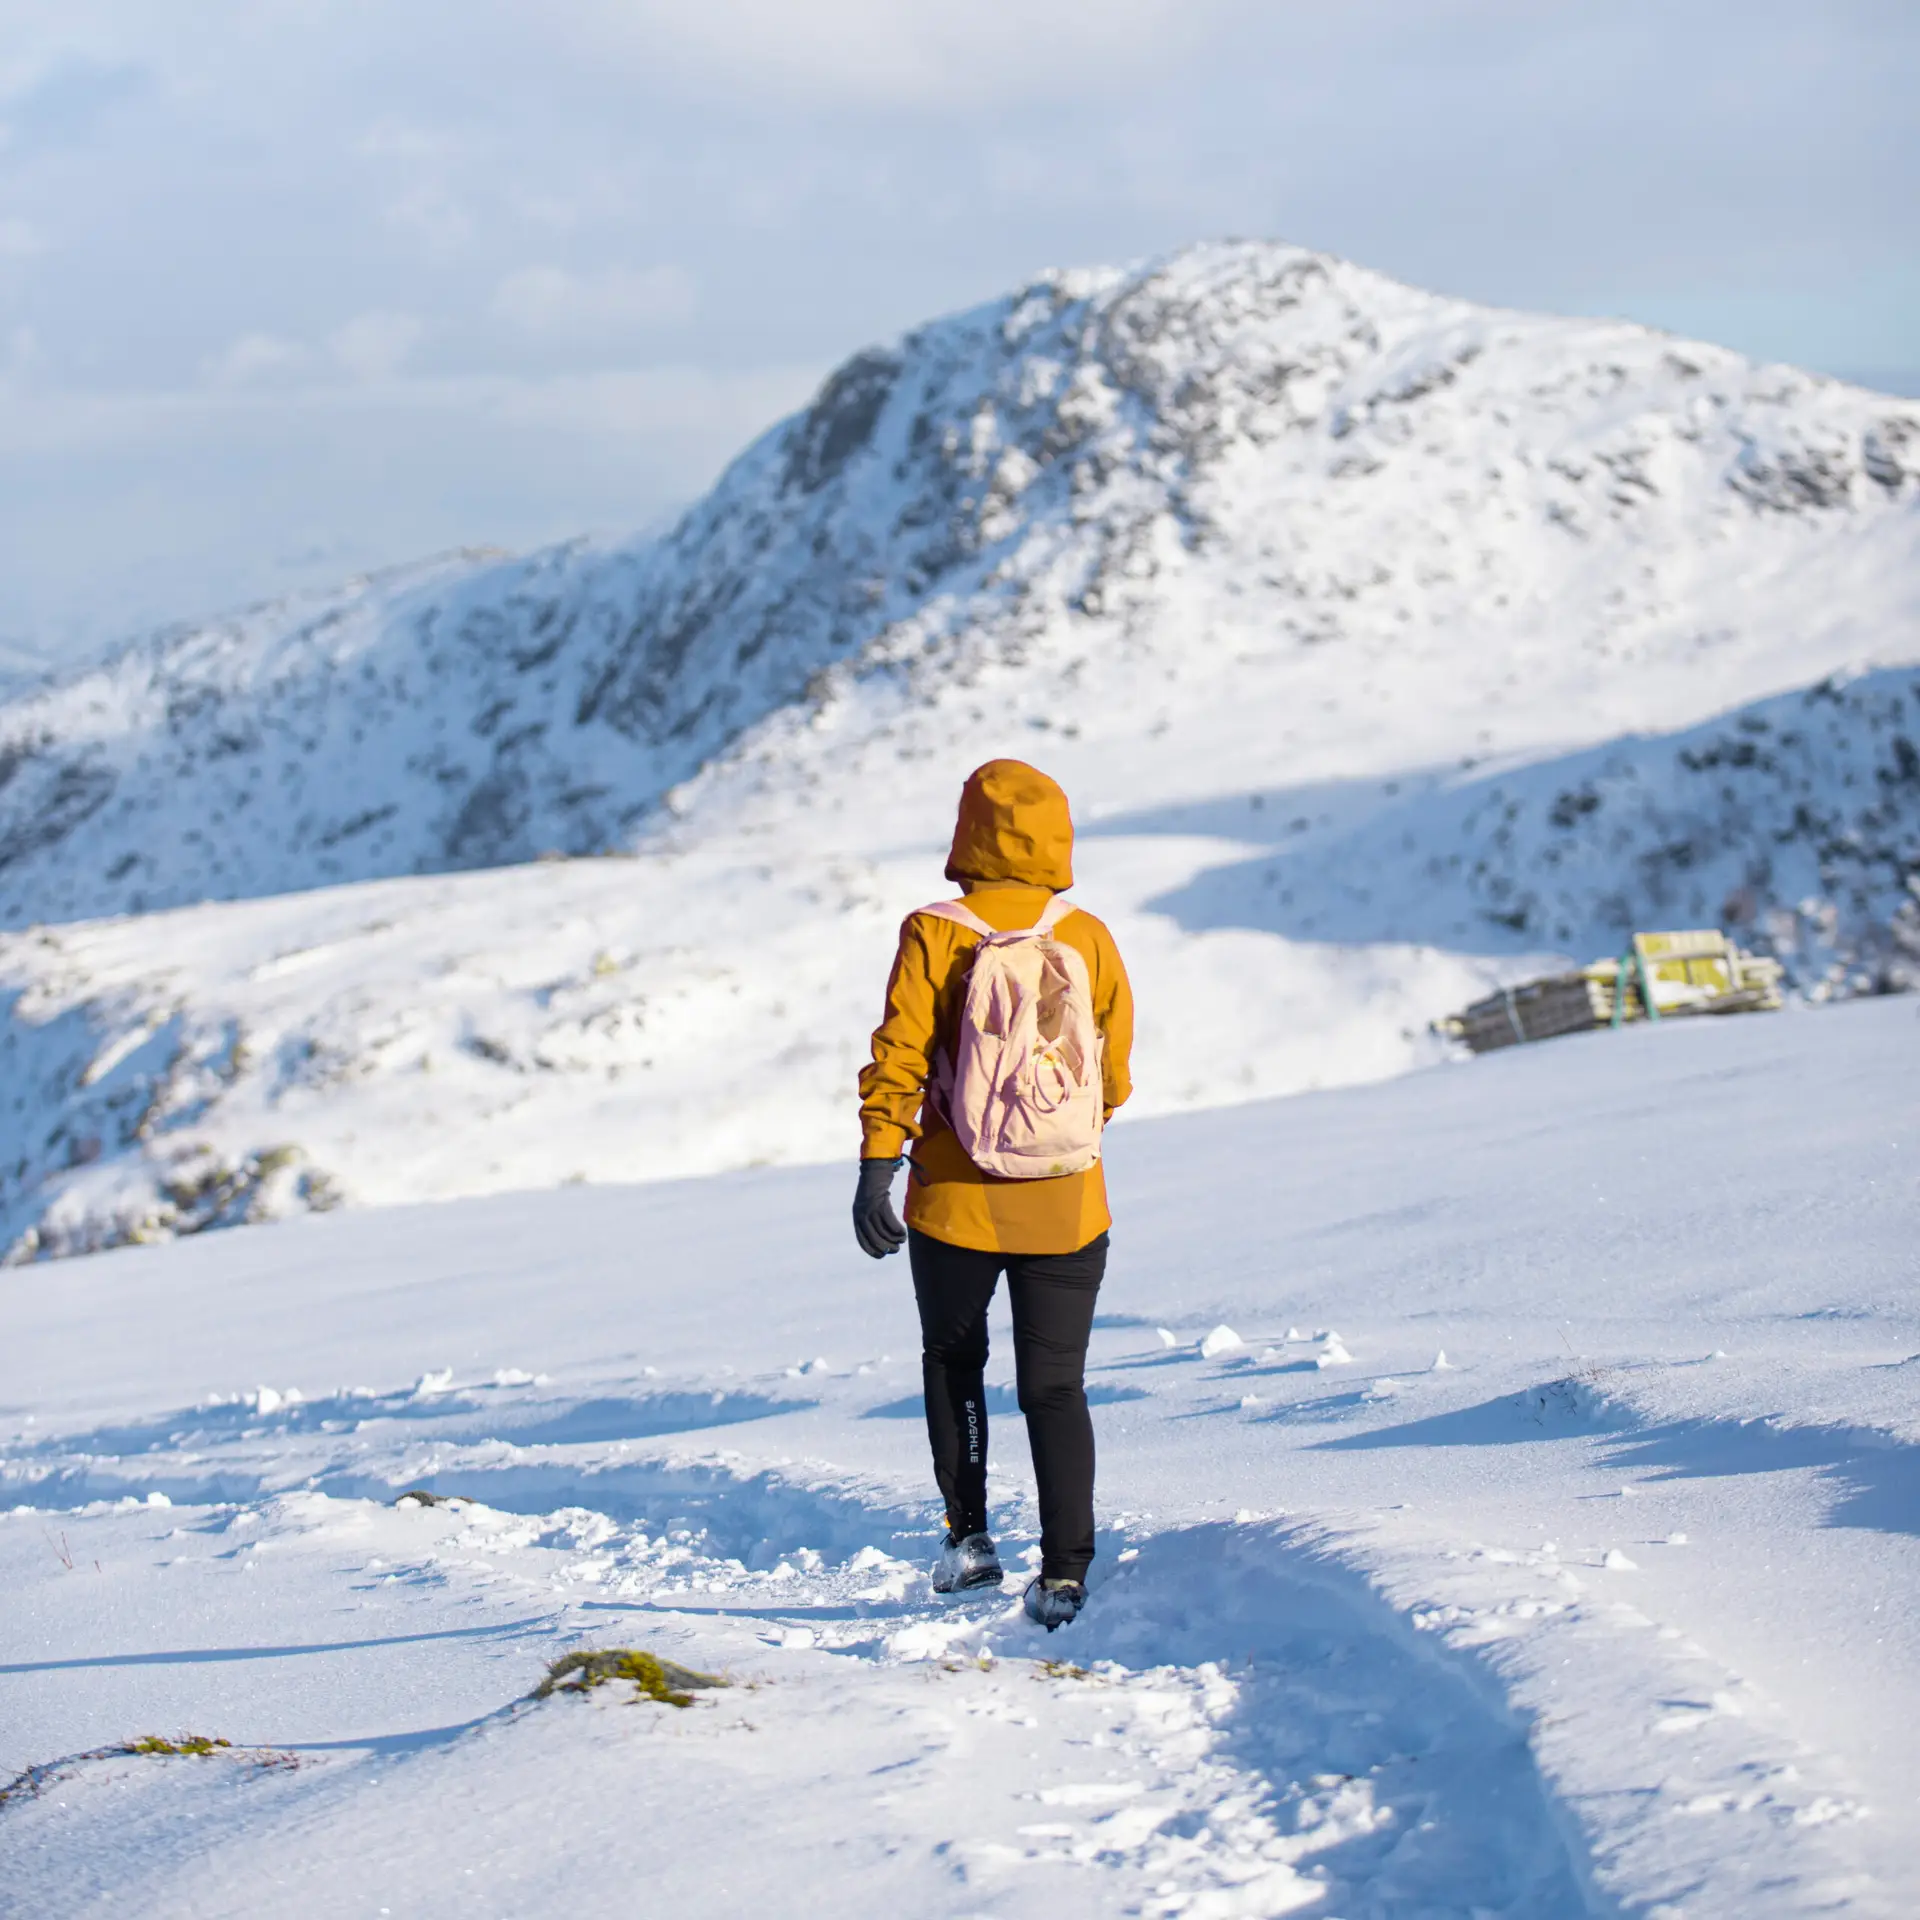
1024,1091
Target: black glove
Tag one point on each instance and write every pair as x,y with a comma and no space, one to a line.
875,1224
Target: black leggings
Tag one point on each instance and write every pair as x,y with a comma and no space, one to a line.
1052,1295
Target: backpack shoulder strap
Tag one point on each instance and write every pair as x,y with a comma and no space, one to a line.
960,914
963,915
1057,910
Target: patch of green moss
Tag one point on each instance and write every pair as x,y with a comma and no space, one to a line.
653,1678
194,1743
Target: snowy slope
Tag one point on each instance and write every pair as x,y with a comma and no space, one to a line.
1608,1614
600,1020
1793,822
1286,571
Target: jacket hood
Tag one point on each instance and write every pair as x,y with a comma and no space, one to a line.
1014,825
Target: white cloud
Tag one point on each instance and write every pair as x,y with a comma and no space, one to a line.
371,346
374,346
550,302
897,52
255,359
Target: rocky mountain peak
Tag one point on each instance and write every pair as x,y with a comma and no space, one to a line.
1267,444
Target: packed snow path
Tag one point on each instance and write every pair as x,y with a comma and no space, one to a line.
1608,1610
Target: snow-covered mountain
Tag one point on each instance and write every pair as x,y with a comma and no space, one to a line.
1236,483
1308,585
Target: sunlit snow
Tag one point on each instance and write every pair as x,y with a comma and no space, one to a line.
1336,606
1609,1615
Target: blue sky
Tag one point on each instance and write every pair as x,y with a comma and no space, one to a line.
289,288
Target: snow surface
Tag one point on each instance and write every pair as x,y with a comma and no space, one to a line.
1609,1613
1339,608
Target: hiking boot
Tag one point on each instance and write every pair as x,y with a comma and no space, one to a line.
965,1564
1054,1603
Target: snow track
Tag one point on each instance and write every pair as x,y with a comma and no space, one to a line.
1235,1730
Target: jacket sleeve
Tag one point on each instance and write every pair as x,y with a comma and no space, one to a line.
1113,1012
891,1085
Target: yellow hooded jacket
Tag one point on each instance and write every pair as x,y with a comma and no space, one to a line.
1012,851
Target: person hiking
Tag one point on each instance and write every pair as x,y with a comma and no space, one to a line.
1002,1054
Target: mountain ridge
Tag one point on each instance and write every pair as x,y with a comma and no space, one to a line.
1077,455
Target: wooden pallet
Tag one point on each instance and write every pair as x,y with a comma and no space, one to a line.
1661,976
